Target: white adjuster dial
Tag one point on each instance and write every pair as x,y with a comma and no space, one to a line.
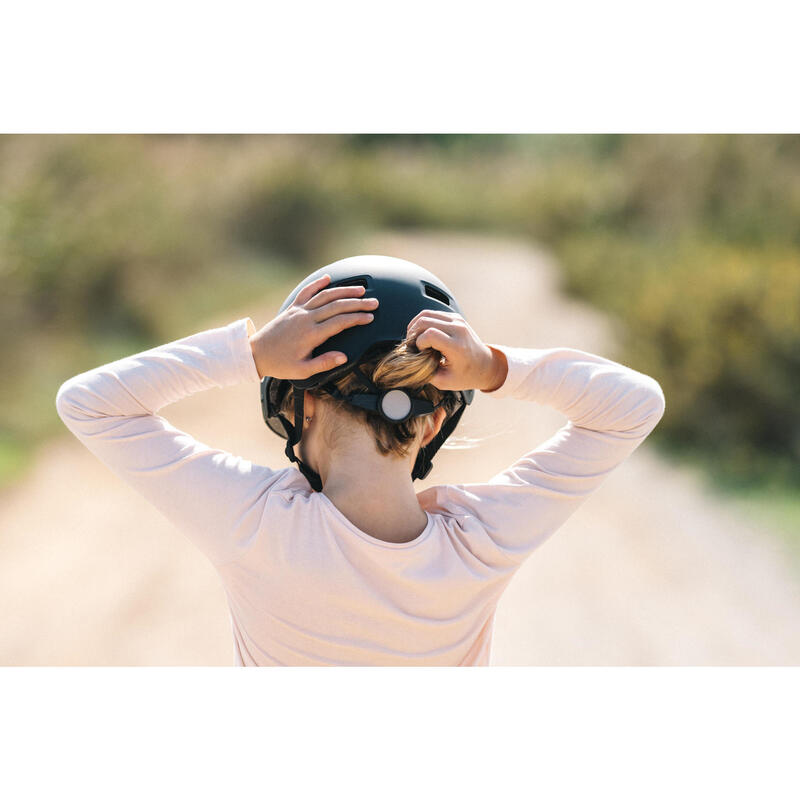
396,405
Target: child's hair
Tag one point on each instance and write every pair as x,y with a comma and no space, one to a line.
403,366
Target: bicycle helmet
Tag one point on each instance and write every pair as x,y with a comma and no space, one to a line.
403,290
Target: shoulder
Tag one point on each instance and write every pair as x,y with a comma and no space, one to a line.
288,481
449,500
459,507
454,504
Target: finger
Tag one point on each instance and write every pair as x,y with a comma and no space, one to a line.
338,323
326,361
437,340
345,305
326,295
308,291
445,322
422,324
429,312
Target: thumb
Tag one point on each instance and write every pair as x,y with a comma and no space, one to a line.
325,362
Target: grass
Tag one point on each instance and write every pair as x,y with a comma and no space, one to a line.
767,497
15,459
777,506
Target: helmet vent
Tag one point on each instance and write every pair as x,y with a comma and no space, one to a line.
436,294
351,282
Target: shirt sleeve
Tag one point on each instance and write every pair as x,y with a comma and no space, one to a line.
611,409
215,498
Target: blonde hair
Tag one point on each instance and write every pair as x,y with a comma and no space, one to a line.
404,366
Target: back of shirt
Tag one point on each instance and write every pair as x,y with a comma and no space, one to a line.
305,586
314,589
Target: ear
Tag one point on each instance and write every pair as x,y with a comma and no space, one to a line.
310,406
438,418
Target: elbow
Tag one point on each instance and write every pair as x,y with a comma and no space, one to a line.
657,403
645,407
62,400
653,406
67,406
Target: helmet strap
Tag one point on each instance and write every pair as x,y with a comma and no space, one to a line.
424,463
364,380
311,475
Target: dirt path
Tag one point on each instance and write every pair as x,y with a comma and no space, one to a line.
651,570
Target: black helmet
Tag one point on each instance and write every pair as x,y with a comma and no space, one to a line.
403,290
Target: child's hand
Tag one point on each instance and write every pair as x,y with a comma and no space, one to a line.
469,363
282,347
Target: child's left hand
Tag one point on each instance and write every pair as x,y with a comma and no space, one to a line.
282,347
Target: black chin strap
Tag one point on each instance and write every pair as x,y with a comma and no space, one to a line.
424,463
295,436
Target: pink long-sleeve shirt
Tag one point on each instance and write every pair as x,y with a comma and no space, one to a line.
304,585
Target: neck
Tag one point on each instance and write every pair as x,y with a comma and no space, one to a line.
375,493
384,483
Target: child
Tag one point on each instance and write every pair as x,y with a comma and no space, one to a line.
340,562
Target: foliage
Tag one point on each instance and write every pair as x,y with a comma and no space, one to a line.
717,325
690,241
87,236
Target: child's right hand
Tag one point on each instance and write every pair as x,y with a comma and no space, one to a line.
469,363
283,347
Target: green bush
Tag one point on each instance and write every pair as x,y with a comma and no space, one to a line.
717,326
88,237
100,253
293,212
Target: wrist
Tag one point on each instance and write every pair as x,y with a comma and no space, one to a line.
497,372
258,362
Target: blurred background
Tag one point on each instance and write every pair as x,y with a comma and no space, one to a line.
682,251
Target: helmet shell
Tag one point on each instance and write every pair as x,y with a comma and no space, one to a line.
403,290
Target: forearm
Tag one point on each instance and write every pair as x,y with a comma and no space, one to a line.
592,391
145,382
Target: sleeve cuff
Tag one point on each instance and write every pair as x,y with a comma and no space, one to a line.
240,333
520,362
